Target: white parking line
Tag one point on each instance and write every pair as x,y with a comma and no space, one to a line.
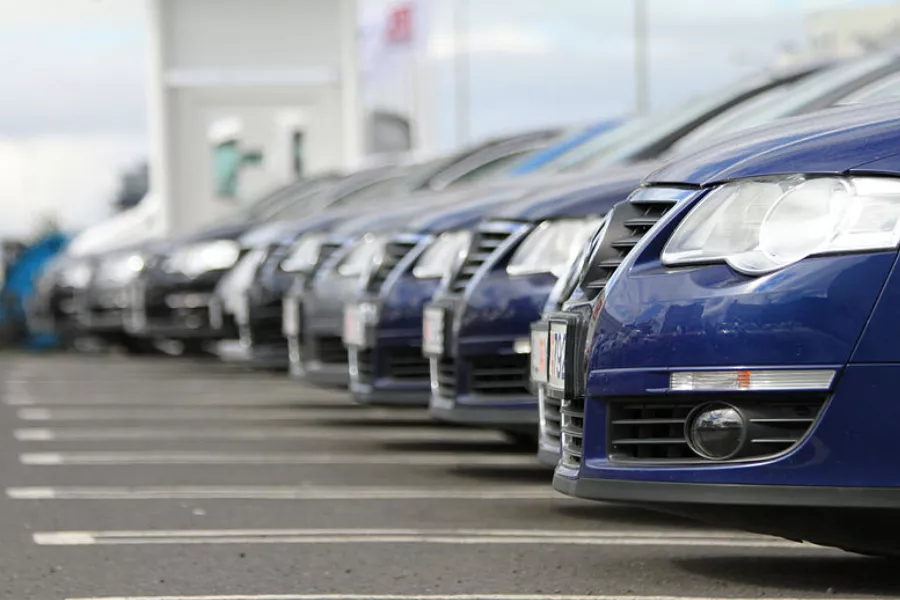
412,536
446,597
185,400
212,414
411,434
303,492
303,458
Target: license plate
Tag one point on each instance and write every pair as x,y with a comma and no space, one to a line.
216,319
136,295
433,327
290,317
539,340
242,309
556,374
354,326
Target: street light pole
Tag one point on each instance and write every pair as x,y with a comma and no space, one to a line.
641,78
461,76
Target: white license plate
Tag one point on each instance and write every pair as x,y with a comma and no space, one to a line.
539,340
136,295
354,325
216,319
290,317
242,309
556,372
433,331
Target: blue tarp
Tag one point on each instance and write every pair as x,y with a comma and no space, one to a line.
21,277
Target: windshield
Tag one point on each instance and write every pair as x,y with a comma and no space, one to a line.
786,100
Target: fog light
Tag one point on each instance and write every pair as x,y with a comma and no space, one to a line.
716,431
522,346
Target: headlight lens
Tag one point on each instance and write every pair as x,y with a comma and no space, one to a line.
364,255
552,247
758,227
444,252
305,254
201,258
120,269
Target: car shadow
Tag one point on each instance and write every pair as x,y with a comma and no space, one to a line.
599,512
826,574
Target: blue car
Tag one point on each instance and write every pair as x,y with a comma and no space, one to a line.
472,330
383,324
739,365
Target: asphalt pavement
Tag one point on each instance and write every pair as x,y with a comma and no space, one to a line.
171,479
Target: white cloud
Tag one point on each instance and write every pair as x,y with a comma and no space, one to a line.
70,178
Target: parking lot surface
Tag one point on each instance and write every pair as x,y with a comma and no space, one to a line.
168,479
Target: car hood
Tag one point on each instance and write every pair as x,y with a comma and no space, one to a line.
863,138
590,193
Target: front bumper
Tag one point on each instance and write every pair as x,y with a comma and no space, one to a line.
483,376
316,351
389,367
822,314
168,306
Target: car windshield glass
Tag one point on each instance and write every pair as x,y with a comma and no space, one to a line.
631,138
375,189
784,101
496,169
301,203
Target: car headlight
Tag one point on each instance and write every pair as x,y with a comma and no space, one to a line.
197,259
304,255
76,275
120,269
552,246
444,252
364,255
760,226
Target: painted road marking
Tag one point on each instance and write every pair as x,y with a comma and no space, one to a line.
212,414
303,492
186,400
411,434
412,536
449,597
302,458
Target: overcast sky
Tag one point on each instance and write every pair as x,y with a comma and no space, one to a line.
72,111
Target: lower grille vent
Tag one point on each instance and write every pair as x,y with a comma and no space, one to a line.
500,375
446,377
654,429
407,364
572,432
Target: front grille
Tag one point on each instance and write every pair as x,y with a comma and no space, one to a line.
406,364
500,375
395,251
654,429
625,226
365,366
331,350
446,377
572,432
488,238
